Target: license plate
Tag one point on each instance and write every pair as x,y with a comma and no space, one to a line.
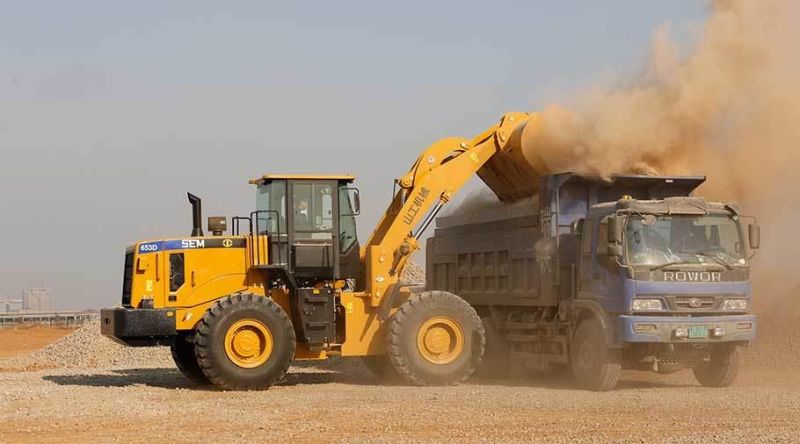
698,331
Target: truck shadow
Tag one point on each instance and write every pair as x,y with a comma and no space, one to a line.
628,381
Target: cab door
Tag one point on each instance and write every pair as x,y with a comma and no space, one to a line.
313,222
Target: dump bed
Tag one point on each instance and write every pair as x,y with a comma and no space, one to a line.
523,253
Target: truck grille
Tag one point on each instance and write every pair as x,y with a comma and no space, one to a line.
127,279
695,302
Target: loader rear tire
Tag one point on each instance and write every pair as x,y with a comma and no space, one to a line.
435,338
595,366
186,361
245,342
722,368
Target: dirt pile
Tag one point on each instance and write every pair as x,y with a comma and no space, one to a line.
413,274
87,348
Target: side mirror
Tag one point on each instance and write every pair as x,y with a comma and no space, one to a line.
356,201
754,235
352,195
614,230
614,250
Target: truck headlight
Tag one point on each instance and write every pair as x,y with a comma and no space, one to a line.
647,305
735,304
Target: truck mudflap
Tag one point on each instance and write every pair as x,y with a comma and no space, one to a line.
687,329
138,327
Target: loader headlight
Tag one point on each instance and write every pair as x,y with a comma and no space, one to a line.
647,305
735,304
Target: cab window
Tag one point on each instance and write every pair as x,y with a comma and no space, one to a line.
271,204
347,221
312,211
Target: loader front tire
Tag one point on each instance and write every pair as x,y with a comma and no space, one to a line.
245,342
435,338
186,361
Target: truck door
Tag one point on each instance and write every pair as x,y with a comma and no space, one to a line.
312,223
600,273
585,254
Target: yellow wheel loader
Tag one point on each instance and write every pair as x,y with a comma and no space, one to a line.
292,281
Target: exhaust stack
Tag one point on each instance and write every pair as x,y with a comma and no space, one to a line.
197,214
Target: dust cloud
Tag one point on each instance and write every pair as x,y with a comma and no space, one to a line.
728,109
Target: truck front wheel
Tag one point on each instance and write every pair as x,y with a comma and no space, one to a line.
245,342
435,338
594,365
721,368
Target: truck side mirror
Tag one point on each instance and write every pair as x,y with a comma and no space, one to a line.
754,235
614,250
614,230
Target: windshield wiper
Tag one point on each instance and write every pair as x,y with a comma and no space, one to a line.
716,258
658,267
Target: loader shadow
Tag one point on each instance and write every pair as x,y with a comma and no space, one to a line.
172,378
153,377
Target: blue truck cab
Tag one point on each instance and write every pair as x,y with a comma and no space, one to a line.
633,272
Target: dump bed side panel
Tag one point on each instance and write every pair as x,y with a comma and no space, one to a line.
491,263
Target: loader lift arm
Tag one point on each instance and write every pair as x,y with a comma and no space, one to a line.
434,179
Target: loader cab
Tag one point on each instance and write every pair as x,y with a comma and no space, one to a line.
310,225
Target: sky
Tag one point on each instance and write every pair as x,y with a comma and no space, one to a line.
111,111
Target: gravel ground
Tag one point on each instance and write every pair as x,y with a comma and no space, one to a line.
84,387
316,404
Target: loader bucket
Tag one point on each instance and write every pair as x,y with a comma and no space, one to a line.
509,174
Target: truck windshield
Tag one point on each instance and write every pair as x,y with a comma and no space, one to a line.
685,239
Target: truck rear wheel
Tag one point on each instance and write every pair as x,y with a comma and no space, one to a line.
496,357
435,338
594,365
245,342
186,361
722,366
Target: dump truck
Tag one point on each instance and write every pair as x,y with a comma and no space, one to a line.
604,275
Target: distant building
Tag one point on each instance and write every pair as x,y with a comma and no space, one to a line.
37,300
11,305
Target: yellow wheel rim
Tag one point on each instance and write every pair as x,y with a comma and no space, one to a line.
440,340
248,343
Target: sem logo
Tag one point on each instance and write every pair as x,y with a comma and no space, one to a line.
692,276
227,243
193,243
